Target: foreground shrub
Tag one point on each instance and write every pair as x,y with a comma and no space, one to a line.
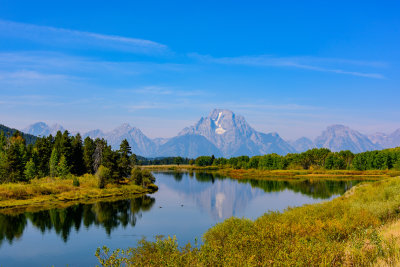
142,177
75,182
103,174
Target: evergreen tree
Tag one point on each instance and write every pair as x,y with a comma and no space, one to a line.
124,161
30,170
88,151
54,159
77,165
43,148
62,167
15,158
66,147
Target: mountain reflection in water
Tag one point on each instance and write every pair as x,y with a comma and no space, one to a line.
223,197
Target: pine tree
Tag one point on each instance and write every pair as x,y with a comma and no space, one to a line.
88,151
62,167
77,164
43,148
54,159
15,158
124,161
30,170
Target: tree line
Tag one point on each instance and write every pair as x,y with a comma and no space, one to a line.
66,155
317,158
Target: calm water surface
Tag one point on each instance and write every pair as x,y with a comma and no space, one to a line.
186,205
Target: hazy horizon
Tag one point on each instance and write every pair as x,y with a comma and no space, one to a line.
290,68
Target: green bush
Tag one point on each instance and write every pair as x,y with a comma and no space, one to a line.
103,174
75,182
142,177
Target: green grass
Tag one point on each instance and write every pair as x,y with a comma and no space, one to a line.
351,230
52,190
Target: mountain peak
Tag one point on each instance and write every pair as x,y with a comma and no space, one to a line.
125,127
234,136
339,137
42,129
337,127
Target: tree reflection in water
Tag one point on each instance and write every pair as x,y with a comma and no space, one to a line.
109,215
318,188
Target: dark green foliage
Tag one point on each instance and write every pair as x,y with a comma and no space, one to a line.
61,156
75,182
136,175
161,161
204,161
142,177
54,159
13,157
124,161
88,152
317,158
30,170
77,163
62,167
103,175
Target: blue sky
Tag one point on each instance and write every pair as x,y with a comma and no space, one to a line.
291,67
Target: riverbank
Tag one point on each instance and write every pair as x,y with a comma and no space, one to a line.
357,229
51,191
282,174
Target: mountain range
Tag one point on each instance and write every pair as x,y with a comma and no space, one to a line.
224,133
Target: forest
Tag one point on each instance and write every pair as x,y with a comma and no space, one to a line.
65,156
317,158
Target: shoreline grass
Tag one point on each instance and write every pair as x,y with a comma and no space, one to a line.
273,174
50,191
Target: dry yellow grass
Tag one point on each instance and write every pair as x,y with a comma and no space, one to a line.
52,190
288,174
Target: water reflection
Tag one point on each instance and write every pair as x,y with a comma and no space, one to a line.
222,197
193,201
108,215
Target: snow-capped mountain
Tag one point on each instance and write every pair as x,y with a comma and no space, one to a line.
233,136
386,140
302,144
42,129
340,137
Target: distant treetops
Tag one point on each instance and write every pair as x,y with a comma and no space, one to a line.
317,158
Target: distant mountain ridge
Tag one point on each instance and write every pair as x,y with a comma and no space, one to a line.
29,139
224,133
42,129
340,137
386,140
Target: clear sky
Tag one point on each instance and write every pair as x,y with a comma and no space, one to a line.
291,67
